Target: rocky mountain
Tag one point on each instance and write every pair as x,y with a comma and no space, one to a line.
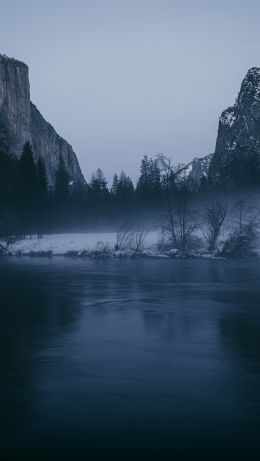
236,160
20,121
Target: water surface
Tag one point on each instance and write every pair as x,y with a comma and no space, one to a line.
135,360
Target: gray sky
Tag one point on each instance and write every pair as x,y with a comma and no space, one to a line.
119,79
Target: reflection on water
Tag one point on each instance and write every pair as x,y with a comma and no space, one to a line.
129,360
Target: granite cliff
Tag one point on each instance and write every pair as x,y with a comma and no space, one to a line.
20,121
236,160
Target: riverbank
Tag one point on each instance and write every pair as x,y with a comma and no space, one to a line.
92,245
98,245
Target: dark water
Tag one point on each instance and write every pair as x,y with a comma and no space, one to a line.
137,360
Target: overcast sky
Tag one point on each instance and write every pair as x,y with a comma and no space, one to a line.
119,79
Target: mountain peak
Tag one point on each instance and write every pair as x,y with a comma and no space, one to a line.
250,87
20,121
237,155
9,60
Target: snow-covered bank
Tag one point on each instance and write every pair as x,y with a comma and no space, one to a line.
62,244
96,245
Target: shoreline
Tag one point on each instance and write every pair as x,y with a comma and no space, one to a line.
103,246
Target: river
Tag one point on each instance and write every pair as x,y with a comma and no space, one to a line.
132,359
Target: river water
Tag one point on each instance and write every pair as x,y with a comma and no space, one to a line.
131,359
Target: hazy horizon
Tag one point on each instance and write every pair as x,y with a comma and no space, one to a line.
122,79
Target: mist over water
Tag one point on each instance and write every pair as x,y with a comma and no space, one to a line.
129,359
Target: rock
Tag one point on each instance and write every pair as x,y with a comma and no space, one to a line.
236,160
20,121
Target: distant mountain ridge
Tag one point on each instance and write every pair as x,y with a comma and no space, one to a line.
194,173
20,121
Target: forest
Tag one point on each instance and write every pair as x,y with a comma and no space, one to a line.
28,205
188,220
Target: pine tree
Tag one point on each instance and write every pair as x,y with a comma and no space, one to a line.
98,197
61,210
9,222
125,190
114,184
28,175
149,184
144,173
42,196
28,188
98,183
42,182
61,188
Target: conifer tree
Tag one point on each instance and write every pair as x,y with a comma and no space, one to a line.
28,175
28,188
149,184
61,189
114,184
42,196
125,190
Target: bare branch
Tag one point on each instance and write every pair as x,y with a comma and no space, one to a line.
123,237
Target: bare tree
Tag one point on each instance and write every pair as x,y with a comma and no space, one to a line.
179,221
187,223
123,237
215,216
138,241
248,214
167,171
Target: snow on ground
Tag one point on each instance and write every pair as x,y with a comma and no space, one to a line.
59,244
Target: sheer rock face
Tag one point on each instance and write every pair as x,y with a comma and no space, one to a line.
236,160
20,121
48,144
238,137
15,103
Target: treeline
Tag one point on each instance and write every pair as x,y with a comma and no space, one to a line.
24,195
28,205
